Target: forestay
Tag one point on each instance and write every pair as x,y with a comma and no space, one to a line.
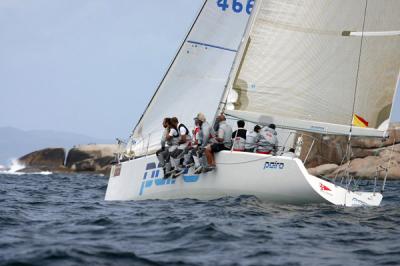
314,64
198,74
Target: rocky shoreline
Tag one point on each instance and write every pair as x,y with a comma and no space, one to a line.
95,158
369,157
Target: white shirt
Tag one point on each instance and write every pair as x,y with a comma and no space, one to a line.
173,143
182,132
225,133
251,140
205,132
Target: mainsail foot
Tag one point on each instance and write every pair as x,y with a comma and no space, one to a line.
276,179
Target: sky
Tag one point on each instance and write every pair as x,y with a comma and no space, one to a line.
87,66
83,66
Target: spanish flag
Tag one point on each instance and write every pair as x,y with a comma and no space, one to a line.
358,121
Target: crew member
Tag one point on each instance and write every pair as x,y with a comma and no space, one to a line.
223,141
183,144
163,154
267,141
251,138
239,137
172,141
206,134
191,157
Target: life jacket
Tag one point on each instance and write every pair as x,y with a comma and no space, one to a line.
186,129
196,135
239,144
188,136
239,139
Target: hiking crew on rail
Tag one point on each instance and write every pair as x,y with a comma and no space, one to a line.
182,148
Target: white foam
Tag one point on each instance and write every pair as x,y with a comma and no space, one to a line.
13,168
41,173
16,166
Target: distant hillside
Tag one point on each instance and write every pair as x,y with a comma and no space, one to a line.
15,142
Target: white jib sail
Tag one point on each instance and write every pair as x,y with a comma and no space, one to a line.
198,75
317,63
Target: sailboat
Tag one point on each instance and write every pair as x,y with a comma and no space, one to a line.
308,66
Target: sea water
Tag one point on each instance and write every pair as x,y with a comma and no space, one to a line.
58,219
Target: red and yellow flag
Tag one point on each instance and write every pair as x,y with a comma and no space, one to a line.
358,121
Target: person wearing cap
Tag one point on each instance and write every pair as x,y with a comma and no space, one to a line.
163,153
191,157
267,140
205,135
183,145
172,141
251,139
223,141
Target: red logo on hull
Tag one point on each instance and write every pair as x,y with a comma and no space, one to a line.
323,187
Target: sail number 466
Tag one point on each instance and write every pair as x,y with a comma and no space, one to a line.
237,5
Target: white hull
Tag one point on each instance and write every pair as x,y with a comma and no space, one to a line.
270,178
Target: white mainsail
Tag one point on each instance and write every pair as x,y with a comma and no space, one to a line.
312,64
198,75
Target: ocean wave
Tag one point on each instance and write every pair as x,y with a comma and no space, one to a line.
63,219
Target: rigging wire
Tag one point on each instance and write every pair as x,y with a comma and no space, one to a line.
349,150
388,166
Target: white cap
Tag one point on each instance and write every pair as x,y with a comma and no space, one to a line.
201,117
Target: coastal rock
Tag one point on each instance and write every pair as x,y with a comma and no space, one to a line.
322,170
89,158
45,160
332,149
372,166
100,165
372,143
324,149
362,153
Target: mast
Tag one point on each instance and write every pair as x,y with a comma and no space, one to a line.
238,59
